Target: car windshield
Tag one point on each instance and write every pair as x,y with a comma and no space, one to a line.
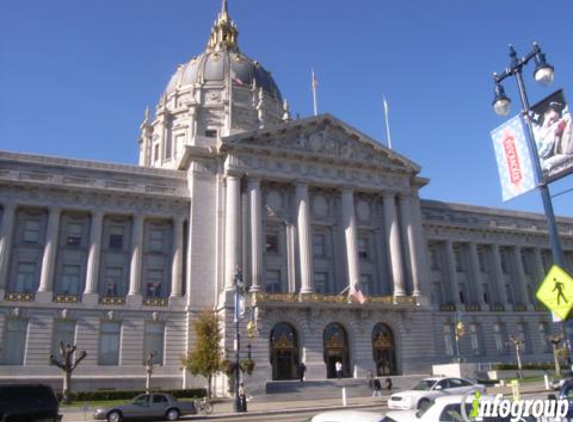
424,385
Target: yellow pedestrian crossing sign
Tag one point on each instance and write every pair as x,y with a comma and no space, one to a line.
556,292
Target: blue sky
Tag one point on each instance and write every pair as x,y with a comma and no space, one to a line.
76,76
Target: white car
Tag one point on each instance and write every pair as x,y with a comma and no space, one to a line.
428,389
444,409
349,416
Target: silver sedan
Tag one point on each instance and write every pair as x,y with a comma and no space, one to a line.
147,406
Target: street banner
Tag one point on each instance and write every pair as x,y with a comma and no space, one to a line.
513,157
552,128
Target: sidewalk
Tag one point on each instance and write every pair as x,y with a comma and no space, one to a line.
279,403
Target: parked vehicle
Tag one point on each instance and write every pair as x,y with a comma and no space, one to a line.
350,416
28,402
566,392
428,389
446,409
148,406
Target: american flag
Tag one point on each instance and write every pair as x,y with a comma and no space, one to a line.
356,295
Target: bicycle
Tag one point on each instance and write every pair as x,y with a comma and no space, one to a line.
204,406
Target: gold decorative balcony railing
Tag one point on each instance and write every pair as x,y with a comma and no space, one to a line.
112,300
66,299
19,297
154,301
498,307
320,298
473,307
520,307
448,307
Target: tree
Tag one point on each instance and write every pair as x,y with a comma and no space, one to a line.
148,362
67,364
205,358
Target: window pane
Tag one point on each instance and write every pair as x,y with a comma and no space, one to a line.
25,277
15,342
109,343
74,234
153,342
273,281
31,231
64,332
320,282
156,240
272,243
154,281
70,279
113,277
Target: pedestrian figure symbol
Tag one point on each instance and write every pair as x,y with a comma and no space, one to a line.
559,287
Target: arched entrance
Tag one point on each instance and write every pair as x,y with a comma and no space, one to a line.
284,352
383,350
336,349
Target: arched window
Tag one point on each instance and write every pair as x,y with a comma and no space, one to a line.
336,349
383,350
284,354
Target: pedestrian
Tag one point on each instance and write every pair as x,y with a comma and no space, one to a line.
301,371
388,383
242,397
338,367
371,380
377,388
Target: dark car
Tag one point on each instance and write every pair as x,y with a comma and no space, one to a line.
566,393
147,406
28,403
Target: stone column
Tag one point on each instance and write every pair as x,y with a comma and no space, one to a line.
256,224
499,277
136,259
6,235
349,224
452,276
177,264
92,272
476,276
394,244
304,237
406,212
521,277
232,227
45,291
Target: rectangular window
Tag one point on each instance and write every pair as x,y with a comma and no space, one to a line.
156,152
26,277
14,345
504,262
366,283
31,231
362,244
320,282
273,281
461,288
459,260
525,263
482,259
319,245
64,332
272,242
434,258
116,237
211,133
74,234
109,343
486,293
499,338
154,341
154,282
70,279
156,240
113,278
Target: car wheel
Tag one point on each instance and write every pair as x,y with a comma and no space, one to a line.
172,415
208,408
423,404
114,416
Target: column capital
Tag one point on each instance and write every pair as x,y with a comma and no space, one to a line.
389,195
254,182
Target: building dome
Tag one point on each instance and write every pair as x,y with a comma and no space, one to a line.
222,62
214,66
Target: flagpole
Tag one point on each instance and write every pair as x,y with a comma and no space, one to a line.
387,122
314,93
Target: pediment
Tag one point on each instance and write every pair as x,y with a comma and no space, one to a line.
321,139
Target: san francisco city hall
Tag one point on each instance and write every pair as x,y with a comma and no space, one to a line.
119,259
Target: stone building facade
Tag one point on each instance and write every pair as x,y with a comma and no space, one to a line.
119,259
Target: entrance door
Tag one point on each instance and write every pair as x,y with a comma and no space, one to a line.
284,352
336,349
383,351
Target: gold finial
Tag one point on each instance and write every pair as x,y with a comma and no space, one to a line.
224,32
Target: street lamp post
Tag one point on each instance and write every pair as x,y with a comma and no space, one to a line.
238,281
544,74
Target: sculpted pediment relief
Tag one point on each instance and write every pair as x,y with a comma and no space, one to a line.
323,138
